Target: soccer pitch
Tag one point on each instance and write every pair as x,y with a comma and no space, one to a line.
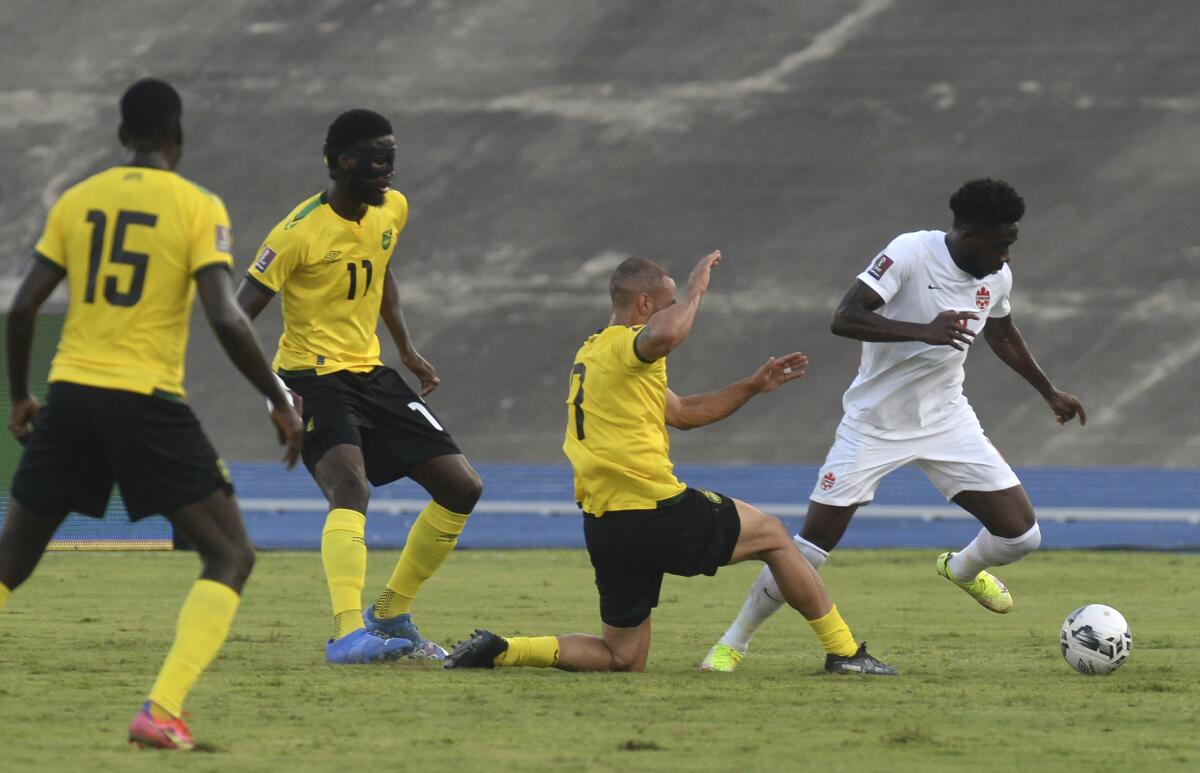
81,642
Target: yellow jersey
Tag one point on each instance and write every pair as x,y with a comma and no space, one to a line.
616,426
130,240
330,272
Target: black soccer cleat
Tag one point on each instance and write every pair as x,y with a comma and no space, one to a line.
478,651
858,663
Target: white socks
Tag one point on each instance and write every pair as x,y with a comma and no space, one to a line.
989,550
765,599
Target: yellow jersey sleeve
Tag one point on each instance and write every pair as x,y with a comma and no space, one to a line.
52,245
212,236
281,253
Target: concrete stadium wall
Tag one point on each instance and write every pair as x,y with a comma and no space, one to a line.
542,142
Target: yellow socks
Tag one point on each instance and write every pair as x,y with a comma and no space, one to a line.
432,536
538,652
834,634
344,554
5,595
204,622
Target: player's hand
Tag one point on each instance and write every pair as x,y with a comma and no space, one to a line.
1066,407
420,367
698,281
20,421
950,329
777,371
290,428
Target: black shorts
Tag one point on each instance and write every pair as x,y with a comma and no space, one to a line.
693,533
87,438
375,411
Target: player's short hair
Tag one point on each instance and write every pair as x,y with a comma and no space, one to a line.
633,276
986,203
150,113
351,128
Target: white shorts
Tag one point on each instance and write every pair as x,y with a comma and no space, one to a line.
955,460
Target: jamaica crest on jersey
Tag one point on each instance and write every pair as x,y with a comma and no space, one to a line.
387,239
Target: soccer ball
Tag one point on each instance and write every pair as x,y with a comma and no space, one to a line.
1096,639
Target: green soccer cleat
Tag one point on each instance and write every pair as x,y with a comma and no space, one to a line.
721,658
986,588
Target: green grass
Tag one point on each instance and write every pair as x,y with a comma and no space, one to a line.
81,643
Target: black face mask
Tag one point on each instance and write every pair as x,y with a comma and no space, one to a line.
365,157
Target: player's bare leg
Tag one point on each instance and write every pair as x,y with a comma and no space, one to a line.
342,476
23,542
618,649
214,526
764,537
455,488
823,529
1010,532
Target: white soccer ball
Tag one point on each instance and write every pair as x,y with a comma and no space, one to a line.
1096,639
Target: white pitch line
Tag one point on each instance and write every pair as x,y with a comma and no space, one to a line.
790,510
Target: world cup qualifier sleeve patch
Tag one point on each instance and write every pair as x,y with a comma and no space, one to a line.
264,260
224,239
880,266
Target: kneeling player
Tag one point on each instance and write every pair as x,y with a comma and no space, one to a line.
640,522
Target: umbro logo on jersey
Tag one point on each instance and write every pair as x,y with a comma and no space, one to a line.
332,255
880,266
983,298
827,481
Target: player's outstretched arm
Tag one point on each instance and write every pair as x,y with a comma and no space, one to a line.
393,317
35,288
699,410
1007,342
236,335
668,328
855,318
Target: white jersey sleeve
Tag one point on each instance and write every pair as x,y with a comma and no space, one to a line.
891,268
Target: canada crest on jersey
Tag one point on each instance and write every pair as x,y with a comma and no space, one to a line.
387,238
827,481
983,298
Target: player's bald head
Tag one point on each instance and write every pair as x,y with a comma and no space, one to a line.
632,277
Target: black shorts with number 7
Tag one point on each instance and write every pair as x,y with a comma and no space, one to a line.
375,411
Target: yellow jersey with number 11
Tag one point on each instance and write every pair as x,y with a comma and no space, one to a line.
616,426
330,272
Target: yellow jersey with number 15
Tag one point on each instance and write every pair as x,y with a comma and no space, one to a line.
130,240
616,426
330,272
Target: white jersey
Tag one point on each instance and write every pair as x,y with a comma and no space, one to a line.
910,389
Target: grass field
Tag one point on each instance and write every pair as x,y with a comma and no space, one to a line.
80,644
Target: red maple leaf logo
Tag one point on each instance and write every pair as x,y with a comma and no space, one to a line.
983,298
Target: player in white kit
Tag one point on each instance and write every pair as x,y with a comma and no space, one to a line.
917,308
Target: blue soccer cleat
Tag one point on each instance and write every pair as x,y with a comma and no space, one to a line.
402,626
362,646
